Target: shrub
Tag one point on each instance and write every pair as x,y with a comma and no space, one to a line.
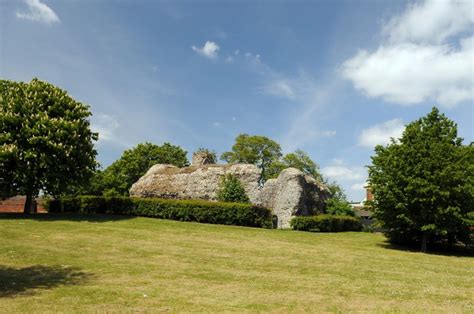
231,190
326,223
335,206
183,210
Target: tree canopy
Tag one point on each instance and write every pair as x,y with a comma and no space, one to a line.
423,184
46,143
300,160
118,178
253,149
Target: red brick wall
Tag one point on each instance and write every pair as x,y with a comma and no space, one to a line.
369,196
16,204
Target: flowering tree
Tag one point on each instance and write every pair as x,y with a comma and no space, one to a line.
45,140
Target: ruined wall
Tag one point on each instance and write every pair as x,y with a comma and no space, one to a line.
292,194
194,182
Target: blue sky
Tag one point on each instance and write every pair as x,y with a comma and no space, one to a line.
333,78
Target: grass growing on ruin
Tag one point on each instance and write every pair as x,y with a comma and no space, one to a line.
110,263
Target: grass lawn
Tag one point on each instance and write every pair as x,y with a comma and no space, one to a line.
74,263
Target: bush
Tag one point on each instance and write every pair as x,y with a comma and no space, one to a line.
335,206
231,190
326,223
192,210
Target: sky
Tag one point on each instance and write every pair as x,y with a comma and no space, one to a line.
333,78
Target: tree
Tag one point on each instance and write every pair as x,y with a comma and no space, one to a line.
258,150
231,190
335,206
117,179
336,191
423,184
45,140
300,160
338,204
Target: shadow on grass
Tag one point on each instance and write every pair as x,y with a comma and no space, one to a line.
16,281
457,251
66,217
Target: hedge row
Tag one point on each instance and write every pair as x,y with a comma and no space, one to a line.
326,223
183,210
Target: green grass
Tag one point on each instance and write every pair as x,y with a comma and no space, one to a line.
109,263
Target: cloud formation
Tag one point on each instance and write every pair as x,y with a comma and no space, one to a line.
280,88
432,21
309,97
106,126
209,50
426,55
38,12
343,173
380,134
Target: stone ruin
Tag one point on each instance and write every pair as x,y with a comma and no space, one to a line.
202,158
293,193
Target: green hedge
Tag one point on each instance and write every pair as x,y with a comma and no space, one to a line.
326,223
183,210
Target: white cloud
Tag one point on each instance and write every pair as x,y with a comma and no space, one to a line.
280,88
416,63
432,21
209,50
358,186
216,124
351,178
381,133
229,59
106,126
38,12
343,172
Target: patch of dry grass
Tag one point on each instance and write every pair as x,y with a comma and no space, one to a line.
153,265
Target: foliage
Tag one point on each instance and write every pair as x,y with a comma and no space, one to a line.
300,160
336,191
118,178
183,210
211,155
338,204
423,185
274,169
231,190
326,223
257,150
45,140
335,206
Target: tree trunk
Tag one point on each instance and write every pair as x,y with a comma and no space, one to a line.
30,204
424,241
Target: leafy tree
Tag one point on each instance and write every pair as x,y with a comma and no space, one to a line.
257,150
300,160
335,206
338,204
118,178
231,190
274,169
423,184
45,140
336,191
